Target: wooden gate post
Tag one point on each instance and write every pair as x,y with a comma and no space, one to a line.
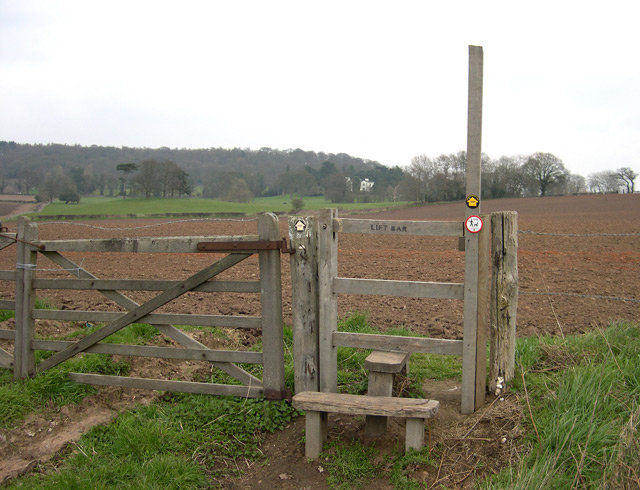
328,308
471,266
26,258
271,306
504,299
303,232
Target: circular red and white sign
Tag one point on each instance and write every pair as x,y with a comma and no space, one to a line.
473,224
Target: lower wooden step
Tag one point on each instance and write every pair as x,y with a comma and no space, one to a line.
366,405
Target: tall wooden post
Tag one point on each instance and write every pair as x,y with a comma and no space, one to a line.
504,299
26,258
271,306
328,308
473,177
303,232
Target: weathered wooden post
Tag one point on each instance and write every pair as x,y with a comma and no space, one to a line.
504,299
328,307
303,232
271,306
471,244
26,258
482,332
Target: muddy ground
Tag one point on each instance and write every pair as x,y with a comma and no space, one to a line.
579,263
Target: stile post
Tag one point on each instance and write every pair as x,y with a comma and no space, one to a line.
471,240
303,233
504,299
328,307
26,258
271,306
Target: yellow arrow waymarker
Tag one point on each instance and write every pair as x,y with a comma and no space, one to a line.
473,201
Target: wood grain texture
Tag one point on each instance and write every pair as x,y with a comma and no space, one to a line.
366,405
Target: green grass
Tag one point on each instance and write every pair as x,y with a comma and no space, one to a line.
52,388
134,334
141,206
179,442
350,465
584,393
352,376
6,314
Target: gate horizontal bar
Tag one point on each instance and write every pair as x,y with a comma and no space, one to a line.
159,352
145,285
153,318
8,275
183,244
6,363
7,304
399,228
398,343
410,289
7,334
165,385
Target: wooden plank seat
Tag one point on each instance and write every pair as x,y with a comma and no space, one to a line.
317,405
382,367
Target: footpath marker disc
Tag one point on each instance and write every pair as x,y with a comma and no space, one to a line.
473,224
472,201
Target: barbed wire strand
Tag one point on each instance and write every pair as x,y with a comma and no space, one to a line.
578,295
529,232
549,298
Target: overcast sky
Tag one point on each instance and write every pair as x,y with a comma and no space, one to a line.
379,80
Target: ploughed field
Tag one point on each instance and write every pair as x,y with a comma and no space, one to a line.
578,261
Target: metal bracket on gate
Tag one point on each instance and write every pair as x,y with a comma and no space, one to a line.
246,246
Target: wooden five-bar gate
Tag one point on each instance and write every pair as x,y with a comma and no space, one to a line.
237,248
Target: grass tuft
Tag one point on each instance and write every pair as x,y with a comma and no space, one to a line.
350,465
583,391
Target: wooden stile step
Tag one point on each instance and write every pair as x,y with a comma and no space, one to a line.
317,405
382,367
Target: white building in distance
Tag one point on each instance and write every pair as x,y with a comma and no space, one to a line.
366,185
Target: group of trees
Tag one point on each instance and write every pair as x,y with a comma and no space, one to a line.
155,178
243,174
539,174
613,181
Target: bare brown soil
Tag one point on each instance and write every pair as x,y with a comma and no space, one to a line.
582,279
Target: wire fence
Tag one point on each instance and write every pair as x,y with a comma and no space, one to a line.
579,295
529,232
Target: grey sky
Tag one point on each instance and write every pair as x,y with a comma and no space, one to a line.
379,80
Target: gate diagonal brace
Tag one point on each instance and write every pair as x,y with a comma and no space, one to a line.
246,246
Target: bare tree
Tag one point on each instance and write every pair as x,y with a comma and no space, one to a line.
627,176
422,170
546,169
148,179
606,182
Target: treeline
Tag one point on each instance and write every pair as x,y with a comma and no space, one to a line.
540,174
236,174
28,162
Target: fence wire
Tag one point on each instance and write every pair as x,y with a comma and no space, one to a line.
529,232
578,295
